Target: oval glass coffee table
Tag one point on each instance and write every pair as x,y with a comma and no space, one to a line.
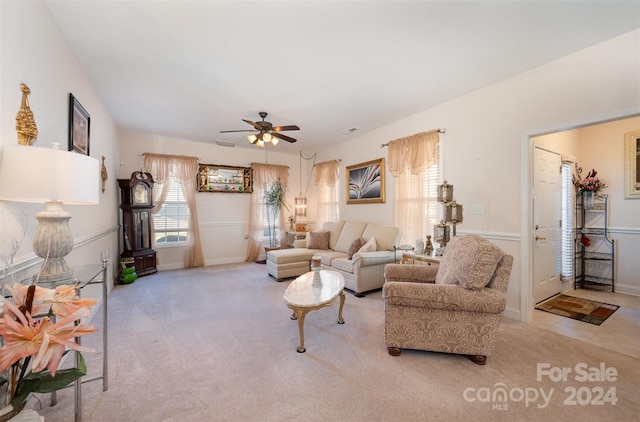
312,291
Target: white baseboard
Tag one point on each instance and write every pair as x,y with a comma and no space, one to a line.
514,314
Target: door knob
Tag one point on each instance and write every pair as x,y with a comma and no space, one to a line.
540,238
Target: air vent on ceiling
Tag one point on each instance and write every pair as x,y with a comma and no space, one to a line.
348,131
226,144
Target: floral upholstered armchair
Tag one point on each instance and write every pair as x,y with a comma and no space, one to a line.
453,307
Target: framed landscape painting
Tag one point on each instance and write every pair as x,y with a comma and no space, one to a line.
365,182
79,127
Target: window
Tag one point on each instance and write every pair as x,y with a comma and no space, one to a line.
172,221
328,200
567,222
417,203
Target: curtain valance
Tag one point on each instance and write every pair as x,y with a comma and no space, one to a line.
268,173
414,153
161,167
326,173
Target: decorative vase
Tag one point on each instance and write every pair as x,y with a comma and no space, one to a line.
588,199
127,271
7,413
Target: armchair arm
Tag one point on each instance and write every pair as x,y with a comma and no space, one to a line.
364,259
411,273
444,296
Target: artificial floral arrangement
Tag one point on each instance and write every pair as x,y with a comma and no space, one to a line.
33,339
589,184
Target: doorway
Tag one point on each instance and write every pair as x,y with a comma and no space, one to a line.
527,231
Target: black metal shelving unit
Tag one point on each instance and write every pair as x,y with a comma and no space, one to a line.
593,263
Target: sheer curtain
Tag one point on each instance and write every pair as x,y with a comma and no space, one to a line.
326,180
263,174
413,162
184,171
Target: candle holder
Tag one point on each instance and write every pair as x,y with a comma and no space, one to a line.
316,263
452,215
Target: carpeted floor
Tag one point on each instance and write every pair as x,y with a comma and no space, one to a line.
218,344
578,308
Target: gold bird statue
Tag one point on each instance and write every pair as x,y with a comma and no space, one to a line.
25,123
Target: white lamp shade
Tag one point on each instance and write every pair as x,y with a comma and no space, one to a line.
33,174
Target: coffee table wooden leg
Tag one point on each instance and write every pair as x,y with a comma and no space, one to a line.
342,297
299,314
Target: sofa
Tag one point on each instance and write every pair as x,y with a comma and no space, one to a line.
357,250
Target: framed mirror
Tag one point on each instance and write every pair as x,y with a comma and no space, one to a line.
632,165
217,178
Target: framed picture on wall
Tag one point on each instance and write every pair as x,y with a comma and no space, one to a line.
632,165
365,182
79,126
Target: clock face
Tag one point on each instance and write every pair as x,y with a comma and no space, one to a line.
141,194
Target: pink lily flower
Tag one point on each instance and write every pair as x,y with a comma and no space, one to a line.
62,301
40,338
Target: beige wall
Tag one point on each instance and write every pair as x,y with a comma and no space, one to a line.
34,52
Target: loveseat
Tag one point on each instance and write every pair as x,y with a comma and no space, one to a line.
357,250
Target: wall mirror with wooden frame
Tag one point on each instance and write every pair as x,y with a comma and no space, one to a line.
217,178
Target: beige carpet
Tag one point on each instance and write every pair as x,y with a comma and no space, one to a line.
217,343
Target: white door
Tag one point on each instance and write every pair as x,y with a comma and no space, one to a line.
546,224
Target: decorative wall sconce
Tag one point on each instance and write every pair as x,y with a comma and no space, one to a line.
452,215
104,175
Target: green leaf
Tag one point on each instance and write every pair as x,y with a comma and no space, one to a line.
43,382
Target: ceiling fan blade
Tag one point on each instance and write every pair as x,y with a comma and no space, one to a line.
289,127
243,130
283,137
254,124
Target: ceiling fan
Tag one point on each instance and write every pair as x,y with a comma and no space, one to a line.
266,132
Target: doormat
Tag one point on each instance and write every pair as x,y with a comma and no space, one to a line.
577,308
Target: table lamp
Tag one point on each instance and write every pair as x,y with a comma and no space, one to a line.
53,177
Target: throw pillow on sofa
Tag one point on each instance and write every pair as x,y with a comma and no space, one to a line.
318,240
355,247
370,246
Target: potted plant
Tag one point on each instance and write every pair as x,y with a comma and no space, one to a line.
275,199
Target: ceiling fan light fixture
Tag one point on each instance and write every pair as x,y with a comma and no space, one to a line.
263,131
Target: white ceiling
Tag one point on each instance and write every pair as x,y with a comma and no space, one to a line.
189,69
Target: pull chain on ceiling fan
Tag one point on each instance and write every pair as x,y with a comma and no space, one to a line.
266,132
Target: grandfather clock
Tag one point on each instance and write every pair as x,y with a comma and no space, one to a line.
136,203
